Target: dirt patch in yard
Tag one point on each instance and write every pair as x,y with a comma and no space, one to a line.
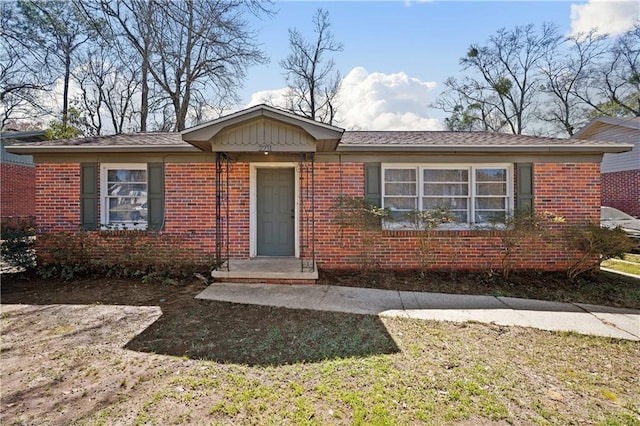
102,351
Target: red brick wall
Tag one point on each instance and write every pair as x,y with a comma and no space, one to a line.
17,199
337,247
58,197
568,190
621,190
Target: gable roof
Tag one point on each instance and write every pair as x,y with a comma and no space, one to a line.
439,141
597,124
201,135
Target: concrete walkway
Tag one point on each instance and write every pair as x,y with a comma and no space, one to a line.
508,311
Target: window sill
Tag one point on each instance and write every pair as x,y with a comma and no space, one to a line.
118,232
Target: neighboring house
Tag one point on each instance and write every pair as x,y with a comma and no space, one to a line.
263,182
620,172
17,177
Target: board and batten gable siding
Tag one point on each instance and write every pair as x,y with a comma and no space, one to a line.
263,135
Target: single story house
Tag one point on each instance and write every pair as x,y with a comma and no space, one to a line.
263,183
18,177
620,171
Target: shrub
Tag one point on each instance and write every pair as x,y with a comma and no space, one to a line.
18,240
593,245
518,229
366,218
119,254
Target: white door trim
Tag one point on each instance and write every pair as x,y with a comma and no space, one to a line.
253,204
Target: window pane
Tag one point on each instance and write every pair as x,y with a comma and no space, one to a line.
127,176
491,189
402,203
461,217
491,175
400,189
400,175
438,175
488,216
128,189
446,189
127,209
445,203
492,203
396,216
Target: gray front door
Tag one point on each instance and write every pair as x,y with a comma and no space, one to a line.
275,216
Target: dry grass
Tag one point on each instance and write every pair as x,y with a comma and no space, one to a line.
120,352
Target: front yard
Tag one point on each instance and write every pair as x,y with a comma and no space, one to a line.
125,352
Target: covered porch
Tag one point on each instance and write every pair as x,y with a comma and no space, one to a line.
265,156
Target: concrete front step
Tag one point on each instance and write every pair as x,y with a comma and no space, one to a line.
273,270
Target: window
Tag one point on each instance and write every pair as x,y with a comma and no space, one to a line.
473,194
124,196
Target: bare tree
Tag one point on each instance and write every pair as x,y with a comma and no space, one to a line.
470,109
566,72
108,86
506,75
56,30
194,51
129,25
20,79
313,83
613,87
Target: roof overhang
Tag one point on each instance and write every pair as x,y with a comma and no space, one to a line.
79,149
555,148
597,124
244,131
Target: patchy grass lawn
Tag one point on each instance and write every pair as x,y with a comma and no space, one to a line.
122,352
630,264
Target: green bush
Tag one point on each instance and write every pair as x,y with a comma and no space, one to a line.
18,240
593,245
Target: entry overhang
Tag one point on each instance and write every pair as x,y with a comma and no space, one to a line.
263,128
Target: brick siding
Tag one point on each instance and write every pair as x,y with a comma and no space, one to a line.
568,190
621,190
17,199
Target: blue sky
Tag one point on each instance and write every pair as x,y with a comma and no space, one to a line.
408,49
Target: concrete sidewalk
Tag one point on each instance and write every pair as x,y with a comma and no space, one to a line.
508,311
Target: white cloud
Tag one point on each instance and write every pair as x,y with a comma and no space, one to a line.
375,101
610,17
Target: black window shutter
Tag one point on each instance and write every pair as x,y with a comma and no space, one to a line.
372,182
89,196
524,177
155,196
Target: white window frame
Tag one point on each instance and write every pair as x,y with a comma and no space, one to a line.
471,197
104,195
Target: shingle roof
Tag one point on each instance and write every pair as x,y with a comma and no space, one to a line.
466,141
128,142
351,141
439,138
126,139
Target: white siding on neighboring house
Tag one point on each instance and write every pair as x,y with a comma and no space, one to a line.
617,130
625,160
